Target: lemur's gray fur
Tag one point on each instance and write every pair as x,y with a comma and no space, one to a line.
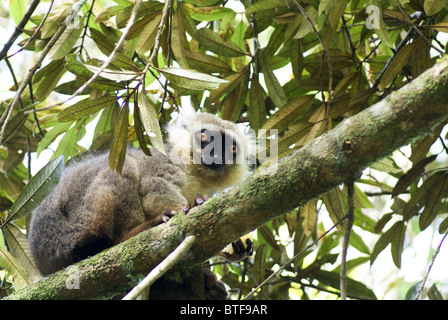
93,208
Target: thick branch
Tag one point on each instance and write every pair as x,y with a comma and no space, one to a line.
336,157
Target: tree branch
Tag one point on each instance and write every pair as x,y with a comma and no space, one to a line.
316,168
163,267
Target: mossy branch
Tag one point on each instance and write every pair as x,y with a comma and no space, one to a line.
334,158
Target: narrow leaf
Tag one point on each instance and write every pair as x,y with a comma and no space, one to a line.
51,135
19,247
257,108
433,7
289,113
37,189
266,5
414,173
12,266
148,116
117,152
309,215
335,206
274,87
190,79
385,239
14,125
398,244
213,42
85,108
434,202
66,41
397,64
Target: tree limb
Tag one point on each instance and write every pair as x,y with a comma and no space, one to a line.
318,167
163,267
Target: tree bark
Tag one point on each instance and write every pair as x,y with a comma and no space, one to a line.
338,156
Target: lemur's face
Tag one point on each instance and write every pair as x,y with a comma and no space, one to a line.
218,148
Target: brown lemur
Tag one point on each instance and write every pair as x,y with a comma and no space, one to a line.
92,208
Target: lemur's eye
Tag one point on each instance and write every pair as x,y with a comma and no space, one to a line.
202,136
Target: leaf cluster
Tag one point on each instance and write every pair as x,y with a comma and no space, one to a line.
300,67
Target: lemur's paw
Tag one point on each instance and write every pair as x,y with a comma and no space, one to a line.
167,215
238,250
198,200
214,289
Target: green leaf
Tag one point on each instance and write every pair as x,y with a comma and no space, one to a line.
266,5
66,41
213,42
14,125
208,13
19,247
146,37
190,79
335,205
336,10
412,175
260,263
398,244
257,108
51,135
289,113
66,145
434,202
387,238
355,288
178,40
205,63
114,75
47,78
85,108
12,266
139,131
398,62
433,7
148,117
37,189
443,226
309,215
359,244
232,81
117,152
434,293
274,87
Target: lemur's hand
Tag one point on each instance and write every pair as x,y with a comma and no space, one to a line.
198,200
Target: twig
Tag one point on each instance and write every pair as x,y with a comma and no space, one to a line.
160,269
106,63
84,32
19,29
36,32
400,46
157,39
326,54
348,230
430,266
8,112
293,258
409,22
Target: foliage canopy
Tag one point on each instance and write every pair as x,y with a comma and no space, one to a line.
297,66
